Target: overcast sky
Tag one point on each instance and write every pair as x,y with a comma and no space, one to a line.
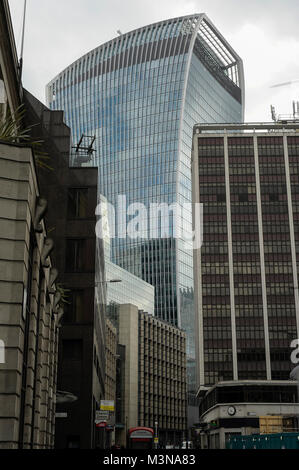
264,33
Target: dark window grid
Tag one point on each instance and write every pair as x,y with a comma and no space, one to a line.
78,203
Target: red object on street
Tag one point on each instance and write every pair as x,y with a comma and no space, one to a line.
103,424
141,438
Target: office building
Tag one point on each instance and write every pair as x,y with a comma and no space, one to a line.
140,94
110,371
154,389
245,274
162,379
110,379
79,258
122,286
130,289
246,177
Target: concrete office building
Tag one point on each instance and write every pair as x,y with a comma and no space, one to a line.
155,387
246,270
110,379
140,94
111,353
162,378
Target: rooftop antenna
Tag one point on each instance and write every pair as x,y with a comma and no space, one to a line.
295,109
273,113
23,40
290,117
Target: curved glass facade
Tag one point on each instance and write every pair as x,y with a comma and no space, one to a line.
140,95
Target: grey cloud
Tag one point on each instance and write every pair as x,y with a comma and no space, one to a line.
276,16
60,31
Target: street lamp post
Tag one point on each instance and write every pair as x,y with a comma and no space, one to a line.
126,436
156,434
294,375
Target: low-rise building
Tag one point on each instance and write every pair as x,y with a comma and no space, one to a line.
240,407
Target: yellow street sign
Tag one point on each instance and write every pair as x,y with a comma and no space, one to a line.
107,405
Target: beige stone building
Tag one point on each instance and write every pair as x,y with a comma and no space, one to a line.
110,378
155,384
110,372
29,307
29,303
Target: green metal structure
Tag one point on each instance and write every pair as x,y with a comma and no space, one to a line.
288,440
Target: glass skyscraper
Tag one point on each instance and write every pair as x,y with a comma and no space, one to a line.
129,289
140,94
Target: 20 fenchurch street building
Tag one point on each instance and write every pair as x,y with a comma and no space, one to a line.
141,94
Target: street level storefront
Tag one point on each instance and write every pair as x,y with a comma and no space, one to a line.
234,408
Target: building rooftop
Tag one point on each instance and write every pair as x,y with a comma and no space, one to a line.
248,126
198,25
203,390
